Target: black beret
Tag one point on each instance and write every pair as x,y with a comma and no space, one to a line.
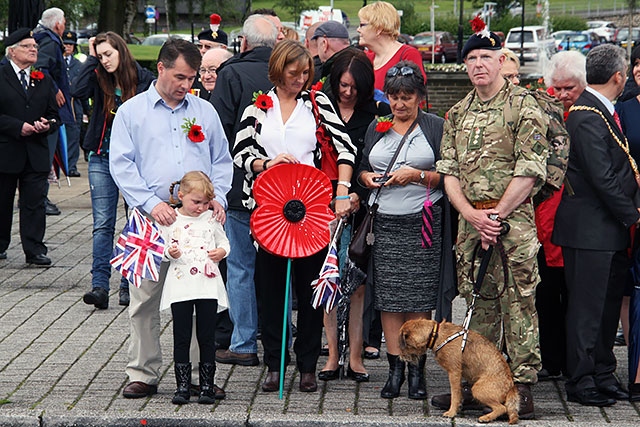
69,37
490,41
17,36
220,36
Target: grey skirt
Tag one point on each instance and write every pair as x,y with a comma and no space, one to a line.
406,275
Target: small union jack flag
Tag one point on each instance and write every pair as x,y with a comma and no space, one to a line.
138,251
326,288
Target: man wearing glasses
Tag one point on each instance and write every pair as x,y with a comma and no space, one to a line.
214,43
28,112
492,169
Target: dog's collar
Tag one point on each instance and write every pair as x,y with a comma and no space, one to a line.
434,334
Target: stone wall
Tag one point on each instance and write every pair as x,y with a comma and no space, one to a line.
447,88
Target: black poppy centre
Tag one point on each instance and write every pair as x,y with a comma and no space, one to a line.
294,210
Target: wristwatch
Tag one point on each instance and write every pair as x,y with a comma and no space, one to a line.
345,183
421,176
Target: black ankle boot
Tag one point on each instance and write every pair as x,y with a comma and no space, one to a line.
183,380
417,383
207,392
396,377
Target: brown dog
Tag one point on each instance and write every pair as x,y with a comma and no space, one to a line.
481,364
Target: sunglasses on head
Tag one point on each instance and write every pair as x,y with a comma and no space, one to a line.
403,71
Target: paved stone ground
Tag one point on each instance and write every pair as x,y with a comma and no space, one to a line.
62,362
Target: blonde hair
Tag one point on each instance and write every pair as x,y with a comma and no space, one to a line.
291,34
289,52
192,181
511,56
383,17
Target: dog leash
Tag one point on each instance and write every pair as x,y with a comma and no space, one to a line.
484,264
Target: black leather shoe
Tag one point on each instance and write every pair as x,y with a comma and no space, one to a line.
74,174
308,382
39,259
271,381
50,208
329,375
3,255
545,375
124,297
138,389
371,355
98,297
359,377
469,403
615,392
590,397
634,392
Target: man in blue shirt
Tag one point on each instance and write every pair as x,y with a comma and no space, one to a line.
149,151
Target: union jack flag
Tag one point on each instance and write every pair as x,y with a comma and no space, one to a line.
326,288
138,251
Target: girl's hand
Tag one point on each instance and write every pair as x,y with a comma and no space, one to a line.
216,255
92,46
174,252
282,158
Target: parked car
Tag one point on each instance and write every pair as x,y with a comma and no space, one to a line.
559,35
604,29
621,36
159,39
582,42
534,41
444,50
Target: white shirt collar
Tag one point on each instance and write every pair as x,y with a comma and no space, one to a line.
602,99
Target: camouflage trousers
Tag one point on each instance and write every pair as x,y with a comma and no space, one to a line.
510,320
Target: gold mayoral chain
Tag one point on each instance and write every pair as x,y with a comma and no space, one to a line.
624,145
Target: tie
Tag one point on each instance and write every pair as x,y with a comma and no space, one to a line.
616,118
23,80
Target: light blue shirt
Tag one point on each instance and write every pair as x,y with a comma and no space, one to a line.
150,150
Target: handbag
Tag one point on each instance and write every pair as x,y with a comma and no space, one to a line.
363,238
329,154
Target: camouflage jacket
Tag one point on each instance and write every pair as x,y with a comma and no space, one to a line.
481,149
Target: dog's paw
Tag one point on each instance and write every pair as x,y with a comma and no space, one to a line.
450,414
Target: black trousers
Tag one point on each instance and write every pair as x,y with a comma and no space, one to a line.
33,191
595,285
551,304
182,312
270,279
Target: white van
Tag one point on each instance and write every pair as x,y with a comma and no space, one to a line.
536,42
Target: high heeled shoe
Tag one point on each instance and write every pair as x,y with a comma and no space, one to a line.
329,375
359,377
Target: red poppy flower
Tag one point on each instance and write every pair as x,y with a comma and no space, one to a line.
318,85
262,101
195,133
477,24
36,75
293,214
384,124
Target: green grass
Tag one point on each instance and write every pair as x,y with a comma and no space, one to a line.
445,7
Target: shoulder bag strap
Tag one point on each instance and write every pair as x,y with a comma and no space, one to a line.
395,155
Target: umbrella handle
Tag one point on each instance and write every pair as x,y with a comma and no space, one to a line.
285,325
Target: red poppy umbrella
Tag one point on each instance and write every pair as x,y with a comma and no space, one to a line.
291,220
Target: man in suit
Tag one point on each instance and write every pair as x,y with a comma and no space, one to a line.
592,226
27,109
48,35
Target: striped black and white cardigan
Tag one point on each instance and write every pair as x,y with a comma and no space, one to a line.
248,149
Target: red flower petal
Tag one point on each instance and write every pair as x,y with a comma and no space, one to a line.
383,126
317,86
264,101
195,133
269,226
477,24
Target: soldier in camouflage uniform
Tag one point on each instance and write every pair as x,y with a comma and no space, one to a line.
492,169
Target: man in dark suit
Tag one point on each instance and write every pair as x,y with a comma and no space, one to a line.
27,110
592,226
70,40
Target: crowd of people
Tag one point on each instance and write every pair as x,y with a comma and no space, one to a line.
187,146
